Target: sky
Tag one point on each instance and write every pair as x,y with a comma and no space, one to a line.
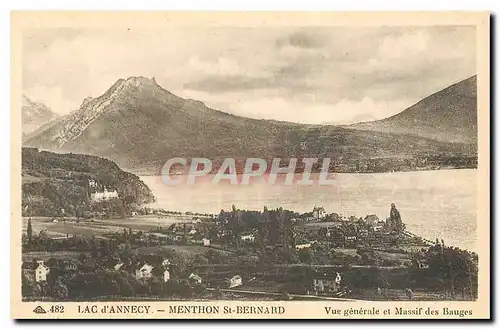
317,75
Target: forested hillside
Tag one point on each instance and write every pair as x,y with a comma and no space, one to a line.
58,184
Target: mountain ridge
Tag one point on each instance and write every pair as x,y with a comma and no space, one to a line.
446,115
34,115
138,123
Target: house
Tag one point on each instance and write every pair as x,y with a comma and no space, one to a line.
338,278
55,220
158,236
133,213
104,195
363,232
371,220
195,278
300,246
178,237
166,276
196,220
247,237
324,284
235,281
206,242
195,241
118,266
319,212
70,266
165,262
377,228
193,232
41,272
144,272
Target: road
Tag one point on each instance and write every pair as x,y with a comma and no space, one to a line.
307,265
277,294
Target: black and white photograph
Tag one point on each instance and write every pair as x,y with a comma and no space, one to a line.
210,162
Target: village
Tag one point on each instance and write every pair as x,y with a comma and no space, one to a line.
237,254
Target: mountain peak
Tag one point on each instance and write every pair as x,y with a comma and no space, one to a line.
448,115
34,115
140,81
26,100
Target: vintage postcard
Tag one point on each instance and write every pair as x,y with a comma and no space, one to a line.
277,165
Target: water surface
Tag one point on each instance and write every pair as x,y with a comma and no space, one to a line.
433,204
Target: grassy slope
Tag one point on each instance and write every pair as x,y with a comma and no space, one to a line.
448,115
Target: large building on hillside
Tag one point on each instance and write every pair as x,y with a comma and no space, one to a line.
104,195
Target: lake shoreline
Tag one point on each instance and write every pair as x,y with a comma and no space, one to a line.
434,204
148,173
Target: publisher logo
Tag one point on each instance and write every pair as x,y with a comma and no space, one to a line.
39,310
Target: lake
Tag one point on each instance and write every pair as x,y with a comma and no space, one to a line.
432,204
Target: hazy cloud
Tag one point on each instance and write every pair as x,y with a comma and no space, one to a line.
314,75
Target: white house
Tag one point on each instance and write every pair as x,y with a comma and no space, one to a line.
248,238
166,276
325,284
165,262
192,232
195,278
41,272
319,212
338,278
235,281
302,246
104,195
206,242
377,228
144,272
118,266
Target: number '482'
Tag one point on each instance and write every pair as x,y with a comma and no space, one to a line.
57,309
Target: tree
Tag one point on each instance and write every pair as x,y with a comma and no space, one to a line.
27,287
455,269
29,232
59,289
126,289
305,256
155,286
82,258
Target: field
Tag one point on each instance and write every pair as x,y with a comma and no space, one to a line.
100,227
159,250
46,255
316,225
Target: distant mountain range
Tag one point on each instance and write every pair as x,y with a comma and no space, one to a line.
140,125
449,115
34,115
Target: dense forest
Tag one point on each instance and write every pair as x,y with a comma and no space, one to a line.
58,184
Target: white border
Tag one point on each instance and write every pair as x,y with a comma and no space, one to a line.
275,5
